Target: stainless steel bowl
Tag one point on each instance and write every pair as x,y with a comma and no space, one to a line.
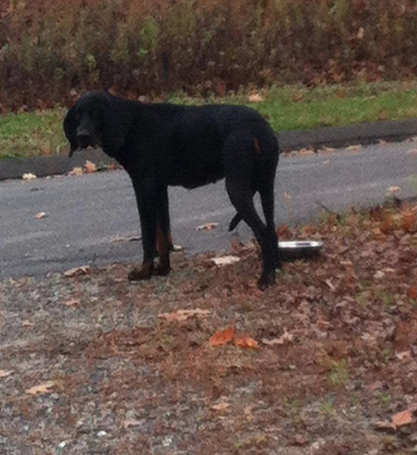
299,249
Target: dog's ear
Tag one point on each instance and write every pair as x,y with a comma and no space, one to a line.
116,124
70,129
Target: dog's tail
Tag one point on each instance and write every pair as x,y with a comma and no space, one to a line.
235,221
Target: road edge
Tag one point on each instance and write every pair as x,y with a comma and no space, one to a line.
335,136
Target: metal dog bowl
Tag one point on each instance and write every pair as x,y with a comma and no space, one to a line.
299,249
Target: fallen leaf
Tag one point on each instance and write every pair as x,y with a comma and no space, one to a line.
73,302
408,220
405,355
40,215
379,275
377,385
347,263
5,374
182,315
77,171
90,167
284,232
354,148
283,339
403,418
41,389
246,342
327,150
387,225
307,152
78,271
221,407
28,176
330,284
225,260
222,337
394,189
207,227
300,440
248,413
113,167
412,293
133,423
28,324
256,98
132,238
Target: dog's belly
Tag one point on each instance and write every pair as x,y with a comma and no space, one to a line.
194,167
199,177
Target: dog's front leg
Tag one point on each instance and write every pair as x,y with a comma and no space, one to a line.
163,232
146,192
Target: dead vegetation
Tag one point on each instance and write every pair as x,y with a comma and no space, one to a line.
50,50
325,362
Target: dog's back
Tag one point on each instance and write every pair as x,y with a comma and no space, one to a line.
190,140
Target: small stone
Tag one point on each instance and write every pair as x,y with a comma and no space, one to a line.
167,441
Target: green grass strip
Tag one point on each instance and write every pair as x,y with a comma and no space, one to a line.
287,108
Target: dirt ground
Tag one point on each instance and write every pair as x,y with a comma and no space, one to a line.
90,364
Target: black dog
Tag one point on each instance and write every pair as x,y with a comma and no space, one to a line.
163,144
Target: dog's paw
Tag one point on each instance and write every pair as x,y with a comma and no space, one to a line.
266,280
162,270
140,274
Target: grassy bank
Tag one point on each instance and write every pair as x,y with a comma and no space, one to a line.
287,108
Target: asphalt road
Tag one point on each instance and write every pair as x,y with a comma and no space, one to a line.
90,218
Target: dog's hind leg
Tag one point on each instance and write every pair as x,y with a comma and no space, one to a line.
267,200
239,161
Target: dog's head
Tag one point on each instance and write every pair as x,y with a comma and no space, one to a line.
84,124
